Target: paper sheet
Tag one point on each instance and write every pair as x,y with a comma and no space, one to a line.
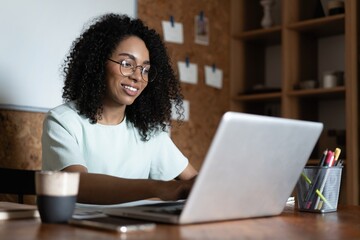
173,33
213,78
188,74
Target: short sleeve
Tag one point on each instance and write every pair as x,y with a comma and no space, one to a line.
60,148
168,161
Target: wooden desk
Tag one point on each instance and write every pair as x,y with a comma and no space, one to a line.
343,224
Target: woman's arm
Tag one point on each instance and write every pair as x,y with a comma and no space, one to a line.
188,173
106,189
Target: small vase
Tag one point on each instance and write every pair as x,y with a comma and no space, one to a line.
267,20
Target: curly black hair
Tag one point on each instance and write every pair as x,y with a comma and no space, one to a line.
84,73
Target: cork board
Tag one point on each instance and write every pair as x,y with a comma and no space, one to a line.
207,104
20,143
20,132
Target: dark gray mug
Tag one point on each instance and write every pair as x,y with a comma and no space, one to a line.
56,195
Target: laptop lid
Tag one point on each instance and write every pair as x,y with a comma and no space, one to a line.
250,170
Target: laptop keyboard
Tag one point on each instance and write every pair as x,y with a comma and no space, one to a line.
173,210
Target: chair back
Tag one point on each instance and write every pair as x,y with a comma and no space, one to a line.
16,181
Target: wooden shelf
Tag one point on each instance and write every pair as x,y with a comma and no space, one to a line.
269,36
318,92
296,50
321,27
258,96
335,91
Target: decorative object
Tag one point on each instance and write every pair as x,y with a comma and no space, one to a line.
319,10
308,84
332,79
267,20
336,7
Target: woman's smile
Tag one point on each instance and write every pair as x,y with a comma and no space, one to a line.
130,90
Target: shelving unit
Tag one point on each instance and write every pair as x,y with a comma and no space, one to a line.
296,41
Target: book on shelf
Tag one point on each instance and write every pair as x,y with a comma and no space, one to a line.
10,210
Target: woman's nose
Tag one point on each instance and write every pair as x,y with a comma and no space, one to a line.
137,74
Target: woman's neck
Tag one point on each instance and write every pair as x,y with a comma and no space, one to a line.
112,115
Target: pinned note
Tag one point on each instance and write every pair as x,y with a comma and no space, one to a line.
213,76
188,72
173,31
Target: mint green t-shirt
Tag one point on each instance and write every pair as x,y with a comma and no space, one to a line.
70,139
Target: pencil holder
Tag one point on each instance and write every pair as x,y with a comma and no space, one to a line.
318,189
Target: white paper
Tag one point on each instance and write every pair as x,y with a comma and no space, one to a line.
86,211
186,105
188,74
173,33
213,78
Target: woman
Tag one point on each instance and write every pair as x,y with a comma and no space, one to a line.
119,90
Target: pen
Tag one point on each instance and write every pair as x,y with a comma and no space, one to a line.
336,155
320,205
322,186
306,178
339,163
308,203
311,193
329,159
323,157
324,199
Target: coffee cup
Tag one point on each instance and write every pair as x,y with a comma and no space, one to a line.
56,195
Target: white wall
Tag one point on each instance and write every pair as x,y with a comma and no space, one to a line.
35,37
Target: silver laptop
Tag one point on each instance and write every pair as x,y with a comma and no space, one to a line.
250,170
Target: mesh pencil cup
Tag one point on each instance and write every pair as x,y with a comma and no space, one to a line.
318,189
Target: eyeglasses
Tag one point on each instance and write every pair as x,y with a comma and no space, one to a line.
128,67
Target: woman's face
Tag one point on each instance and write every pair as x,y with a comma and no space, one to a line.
123,90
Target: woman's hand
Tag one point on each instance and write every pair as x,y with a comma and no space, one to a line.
179,188
175,190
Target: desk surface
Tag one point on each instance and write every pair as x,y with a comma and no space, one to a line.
291,224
